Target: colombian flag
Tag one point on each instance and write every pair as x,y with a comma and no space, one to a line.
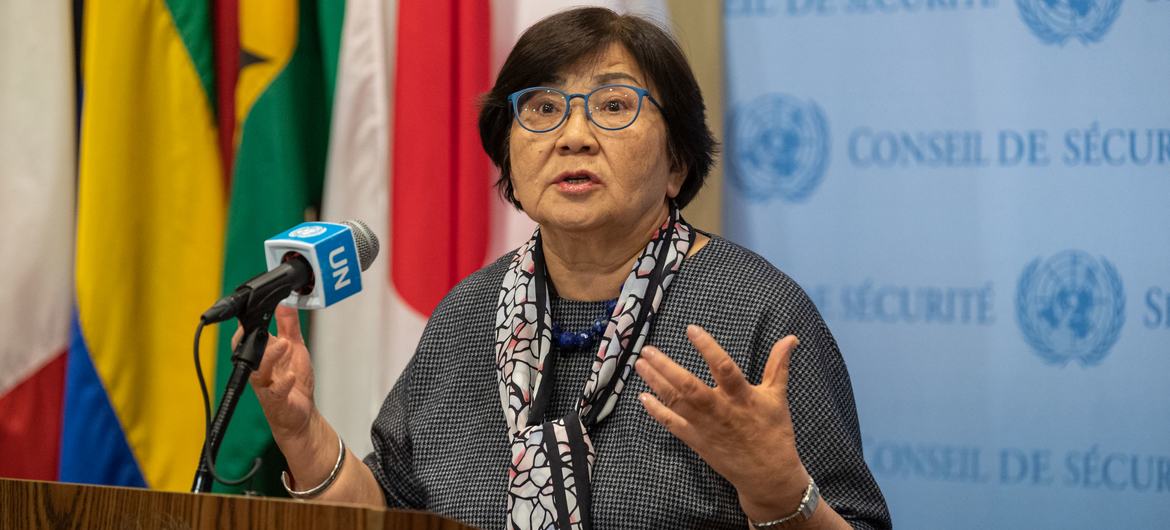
150,218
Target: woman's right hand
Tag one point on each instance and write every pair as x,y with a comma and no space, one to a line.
284,386
284,381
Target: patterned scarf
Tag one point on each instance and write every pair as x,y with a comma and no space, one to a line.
549,474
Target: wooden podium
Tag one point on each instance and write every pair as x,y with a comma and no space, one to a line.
51,505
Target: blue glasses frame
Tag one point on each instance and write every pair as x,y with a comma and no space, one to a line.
514,99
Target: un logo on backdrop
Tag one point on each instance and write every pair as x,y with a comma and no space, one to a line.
1070,306
1056,21
780,147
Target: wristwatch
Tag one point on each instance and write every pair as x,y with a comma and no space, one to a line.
804,512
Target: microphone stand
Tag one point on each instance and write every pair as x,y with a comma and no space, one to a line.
255,318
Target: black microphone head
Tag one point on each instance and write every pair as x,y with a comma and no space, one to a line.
365,241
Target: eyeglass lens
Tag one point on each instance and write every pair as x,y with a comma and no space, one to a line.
609,107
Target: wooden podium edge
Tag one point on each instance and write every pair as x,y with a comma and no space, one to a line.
40,504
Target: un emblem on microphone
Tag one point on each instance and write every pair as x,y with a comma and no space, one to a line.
306,232
1056,21
780,147
1070,306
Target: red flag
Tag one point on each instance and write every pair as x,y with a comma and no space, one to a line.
442,178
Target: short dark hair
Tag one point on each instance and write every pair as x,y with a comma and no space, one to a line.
564,39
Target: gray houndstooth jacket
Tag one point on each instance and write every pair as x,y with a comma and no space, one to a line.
441,444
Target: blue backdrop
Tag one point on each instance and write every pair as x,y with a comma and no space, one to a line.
976,193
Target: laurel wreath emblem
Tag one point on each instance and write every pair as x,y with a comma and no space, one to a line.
1040,337
1047,23
779,146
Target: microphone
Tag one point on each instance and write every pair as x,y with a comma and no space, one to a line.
310,266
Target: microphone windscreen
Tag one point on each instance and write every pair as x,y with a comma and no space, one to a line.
365,240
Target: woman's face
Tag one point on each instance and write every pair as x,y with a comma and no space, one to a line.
580,177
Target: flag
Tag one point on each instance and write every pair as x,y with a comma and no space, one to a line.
148,245
415,172
409,85
154,194
355,342
287,53
37,180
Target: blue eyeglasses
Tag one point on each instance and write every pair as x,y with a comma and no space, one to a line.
611,107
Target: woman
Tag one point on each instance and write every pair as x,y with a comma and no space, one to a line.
619,370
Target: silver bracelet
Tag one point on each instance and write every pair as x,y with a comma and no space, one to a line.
319,488
804,512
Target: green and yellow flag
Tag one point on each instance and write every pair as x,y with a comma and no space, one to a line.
287,62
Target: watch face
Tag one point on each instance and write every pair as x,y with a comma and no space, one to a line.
811,499
808,506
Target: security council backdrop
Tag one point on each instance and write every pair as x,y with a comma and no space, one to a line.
975,193
977,196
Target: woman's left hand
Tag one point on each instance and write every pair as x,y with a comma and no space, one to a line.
743,431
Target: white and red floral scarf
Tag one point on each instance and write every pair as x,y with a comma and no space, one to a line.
549,474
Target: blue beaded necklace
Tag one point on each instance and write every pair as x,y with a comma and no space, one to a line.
575,340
